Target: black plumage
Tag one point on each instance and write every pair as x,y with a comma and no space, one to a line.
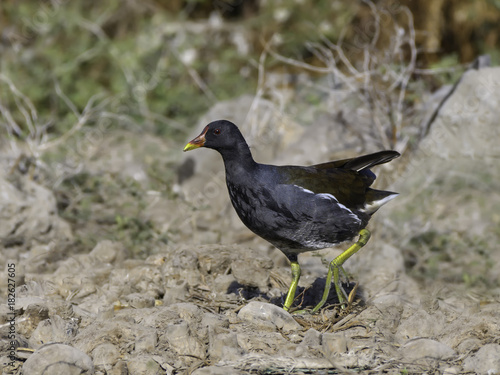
295,208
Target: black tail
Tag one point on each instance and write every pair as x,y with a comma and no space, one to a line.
376,199
361,162
367,161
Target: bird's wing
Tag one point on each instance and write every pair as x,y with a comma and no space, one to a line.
347,180
347,186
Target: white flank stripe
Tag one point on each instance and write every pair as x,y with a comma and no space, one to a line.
327,196
304,190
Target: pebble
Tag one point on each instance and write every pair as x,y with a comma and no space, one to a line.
58,359
485,361
261,312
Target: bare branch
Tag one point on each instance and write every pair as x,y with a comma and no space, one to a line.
82,118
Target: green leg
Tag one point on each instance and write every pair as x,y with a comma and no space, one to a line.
293,286
336,266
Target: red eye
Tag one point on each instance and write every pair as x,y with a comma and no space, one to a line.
217,131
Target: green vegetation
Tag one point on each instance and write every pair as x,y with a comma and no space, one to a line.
161,69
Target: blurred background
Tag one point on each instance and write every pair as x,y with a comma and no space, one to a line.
157,65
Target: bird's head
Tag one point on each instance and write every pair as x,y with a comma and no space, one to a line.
219,135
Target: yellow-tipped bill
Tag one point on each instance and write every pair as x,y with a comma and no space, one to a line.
199,141
191,146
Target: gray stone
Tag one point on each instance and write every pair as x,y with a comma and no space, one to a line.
55,329
175,293
28,212
214,321
165,363
119,369
385,301
34,313
146,279
260,311
252,272
25,302
466,120
334,343
144,365
312,338
212,324
426,348
181,340
58,359
381,271
224,346
469,345
106,355
485,361
105,251
146,341
422,324
188,311
223,282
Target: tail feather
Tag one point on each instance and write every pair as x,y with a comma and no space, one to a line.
361,162
376,199
367,161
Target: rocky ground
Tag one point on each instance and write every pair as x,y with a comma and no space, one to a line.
206,299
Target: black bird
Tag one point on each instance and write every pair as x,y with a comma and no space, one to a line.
299,209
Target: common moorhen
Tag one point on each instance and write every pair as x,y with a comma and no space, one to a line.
299,209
